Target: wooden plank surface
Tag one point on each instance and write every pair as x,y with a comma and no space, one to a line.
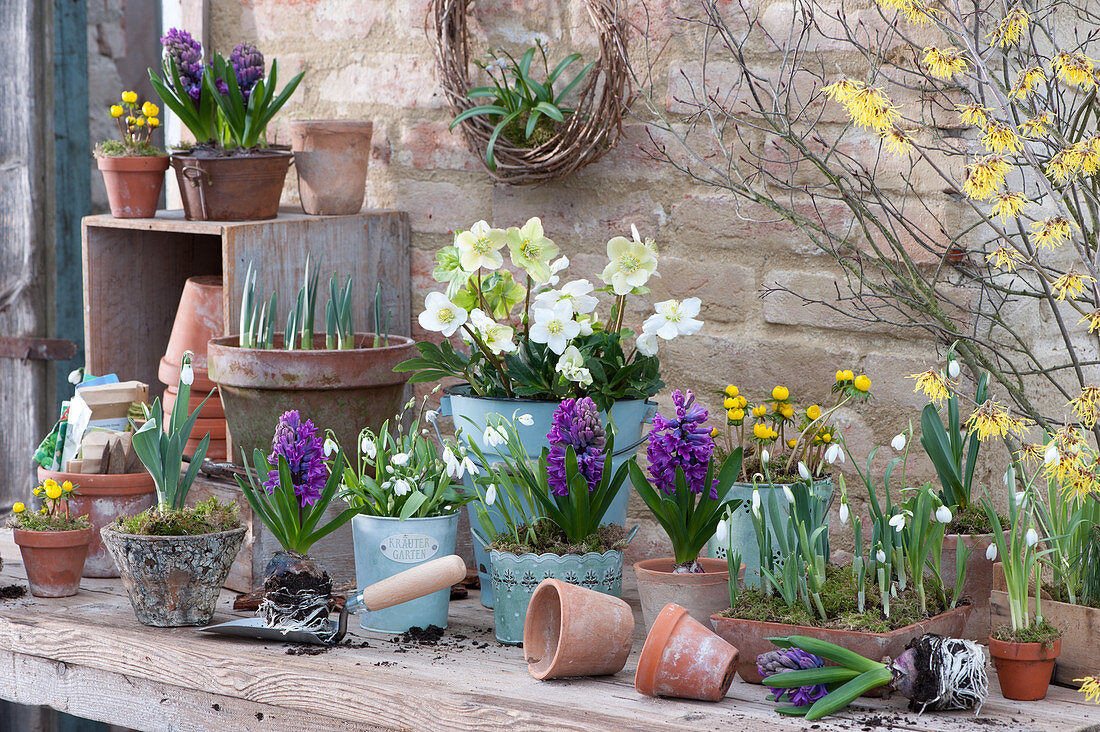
89,656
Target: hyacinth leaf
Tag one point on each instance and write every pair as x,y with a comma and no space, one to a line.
795,711
576,80
849,692
810,677
475,111
833,652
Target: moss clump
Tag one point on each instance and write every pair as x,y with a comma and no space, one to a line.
840,600
549,539
971,520
33,521
209,517
119,149
516,132
1042,632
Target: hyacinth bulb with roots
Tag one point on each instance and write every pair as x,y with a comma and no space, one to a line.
933,673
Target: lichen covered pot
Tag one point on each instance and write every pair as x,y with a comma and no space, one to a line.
174,580
331,157
515,577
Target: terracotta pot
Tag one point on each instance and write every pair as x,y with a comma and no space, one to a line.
169,373
231,188
174,581
331,158
54,560
212,410
752,636
978,582
1079,622
1024,669
103,498
684,659
343,390
199,318
133,184
702,595
217,450
573,631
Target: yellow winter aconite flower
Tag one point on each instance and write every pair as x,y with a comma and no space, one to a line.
129,97
1051,232
18,508
786,410
1090,687
759,411
792,442
150,110
999,137
943,63
1011,29
1086,405
154,122
973,114
813,412
1007,206
1036,127
897,141
866,106
117,110
1005,257
1072,283
1093,320
1028,79
985,177
991,419
713,431
933,383
736,415
53,489
1073,68
732,391
761,431
862,382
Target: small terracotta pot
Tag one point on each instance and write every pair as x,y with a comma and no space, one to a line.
103,498
199,318
702,595
54,560
1024,669
133,184
169,373
573,631
684,659
331,158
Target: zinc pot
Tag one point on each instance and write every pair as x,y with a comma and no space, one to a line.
685,659
702,594
341,390
54,560
977,584
573,631
174,581
515,577
331,158
743,534
133,184
1024,669
103,498
470,413
386,546
231,187
751,636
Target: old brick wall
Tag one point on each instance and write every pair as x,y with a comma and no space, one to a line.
371,59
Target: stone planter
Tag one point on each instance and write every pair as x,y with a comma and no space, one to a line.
515,577
133,184
174,580
54,560
231,187
978,582
751,637
685,659
103,498
702,595
331,158
1024,669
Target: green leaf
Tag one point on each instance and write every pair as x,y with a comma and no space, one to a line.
475,111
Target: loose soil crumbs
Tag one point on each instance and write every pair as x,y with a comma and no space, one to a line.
307,649
420,636
549,539
12,592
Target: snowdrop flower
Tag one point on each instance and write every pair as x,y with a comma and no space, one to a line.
76,376
880,556
803,470
943,515
898,522
493,437
844,513
480,247
723,531
787,492
440,315
632,263
491,494
431,416
991,552
526,420
469,466
953,369
400,459
453,465
330,446
756,503
187,373
647,344
555,327
898,443
834,453
1031,537
1051,455
571,366
765,457
497,337
367,447
401,487
674,318
1021,498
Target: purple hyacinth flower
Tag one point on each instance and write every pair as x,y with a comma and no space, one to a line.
683,442
576,424
248,65
791,659
187,53
304,450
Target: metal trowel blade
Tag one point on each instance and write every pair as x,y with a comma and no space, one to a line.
257,628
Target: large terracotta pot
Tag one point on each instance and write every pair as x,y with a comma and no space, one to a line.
133,184
1024,669
751,637
976,585
702,595
231,188
573,631
331,158
54,560
199,318
683,658
342,390
104,498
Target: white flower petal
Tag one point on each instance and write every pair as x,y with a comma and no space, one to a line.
491,494
1031,537
898,443
953,369
330,447
187,374
880,556
844,513
526,420
943,515
803,471
991,552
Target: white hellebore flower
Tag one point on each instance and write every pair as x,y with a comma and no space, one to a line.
898,443
991,552
555,327
880,556
491,494
647,344
833,453
674,318
632,263
401,487
1031,537
187,374
571,366
556,266
943,515
953,369
526,420
803,470
496,337
765,457
367,447
787,492
480,247
531,250
330,446
756,503
578,294
1051,456
440,315
898,522
493,437
844,513
400,458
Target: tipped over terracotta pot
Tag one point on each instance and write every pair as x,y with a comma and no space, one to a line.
683,658
574,631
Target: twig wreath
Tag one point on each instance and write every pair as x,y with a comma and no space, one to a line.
582,138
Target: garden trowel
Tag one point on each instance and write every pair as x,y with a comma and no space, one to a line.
419,581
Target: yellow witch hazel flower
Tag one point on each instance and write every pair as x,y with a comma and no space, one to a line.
1093,319
1005,258
1074,68
1090,687
1072,283
1011,29
897,141
1086,405
866,106
991,419
973,114
934,383
1028,79
1051,232
999,138
1037,127
944,63
916,11
985,177
1007,206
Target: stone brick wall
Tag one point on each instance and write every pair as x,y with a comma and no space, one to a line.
371,59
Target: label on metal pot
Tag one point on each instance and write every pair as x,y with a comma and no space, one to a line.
409,548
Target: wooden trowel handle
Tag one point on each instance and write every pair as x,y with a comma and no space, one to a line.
421,580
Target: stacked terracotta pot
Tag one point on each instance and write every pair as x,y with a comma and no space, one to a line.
198,319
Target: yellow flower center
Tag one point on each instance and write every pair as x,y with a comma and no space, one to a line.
445,315
628,263
530,250
483,245
554,327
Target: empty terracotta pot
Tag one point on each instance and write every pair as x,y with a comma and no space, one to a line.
683,658
212,409
573,631
198,319
331,158
133,184
702,594
54,560
1024,669
169,373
